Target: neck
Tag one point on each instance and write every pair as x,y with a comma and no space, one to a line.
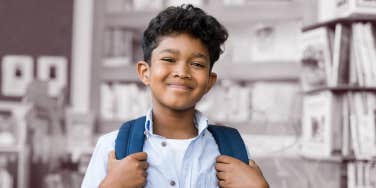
174,124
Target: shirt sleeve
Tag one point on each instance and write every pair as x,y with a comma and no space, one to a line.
248,154
97,168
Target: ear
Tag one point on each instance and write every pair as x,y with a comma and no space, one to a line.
143,71
212,80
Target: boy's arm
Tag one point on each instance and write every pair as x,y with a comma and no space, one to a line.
96,170
105,171
232,172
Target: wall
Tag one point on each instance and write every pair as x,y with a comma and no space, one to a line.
35,28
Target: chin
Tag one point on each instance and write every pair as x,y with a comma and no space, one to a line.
179,105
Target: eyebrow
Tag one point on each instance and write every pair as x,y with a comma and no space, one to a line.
200,55
196,55
169,51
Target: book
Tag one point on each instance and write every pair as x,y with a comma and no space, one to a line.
316,59
360,55
354,72
347,149
322,126
118,46
107,104
362,125
369,42
341,57
346,8
351,182
365,53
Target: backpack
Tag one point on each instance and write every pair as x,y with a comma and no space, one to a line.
130,139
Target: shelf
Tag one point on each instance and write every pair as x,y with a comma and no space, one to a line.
11,149
345,20
335,158
257,71
341,89
228,15
260,127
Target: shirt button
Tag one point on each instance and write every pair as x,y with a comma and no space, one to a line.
163,144
172,183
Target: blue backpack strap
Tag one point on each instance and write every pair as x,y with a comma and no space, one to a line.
229,142
130,138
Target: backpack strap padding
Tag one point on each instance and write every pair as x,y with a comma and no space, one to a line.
130,138
229,142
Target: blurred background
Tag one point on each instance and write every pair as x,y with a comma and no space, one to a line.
296,79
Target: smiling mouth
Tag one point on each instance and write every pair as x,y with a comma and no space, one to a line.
180,87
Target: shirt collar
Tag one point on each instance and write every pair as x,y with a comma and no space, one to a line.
200,121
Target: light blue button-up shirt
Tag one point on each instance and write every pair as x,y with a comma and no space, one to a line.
197,168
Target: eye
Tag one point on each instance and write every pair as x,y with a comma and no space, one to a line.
168,59
198,65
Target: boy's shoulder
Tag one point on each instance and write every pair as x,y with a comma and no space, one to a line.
108,138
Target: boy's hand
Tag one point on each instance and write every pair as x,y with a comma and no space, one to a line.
232,173
129,172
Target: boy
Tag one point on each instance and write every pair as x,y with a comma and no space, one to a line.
180,46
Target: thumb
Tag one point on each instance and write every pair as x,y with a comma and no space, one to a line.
140,156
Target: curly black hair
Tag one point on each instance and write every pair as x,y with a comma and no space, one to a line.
185,19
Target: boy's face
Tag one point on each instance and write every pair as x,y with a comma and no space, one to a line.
178,74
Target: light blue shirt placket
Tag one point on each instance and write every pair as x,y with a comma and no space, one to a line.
158,144
194,158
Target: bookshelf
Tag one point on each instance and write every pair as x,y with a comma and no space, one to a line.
17,154
339,116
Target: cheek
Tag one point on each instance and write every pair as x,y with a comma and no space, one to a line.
203,83
159,71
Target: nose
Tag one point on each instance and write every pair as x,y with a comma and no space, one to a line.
182,70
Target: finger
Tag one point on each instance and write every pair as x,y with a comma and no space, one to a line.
145,174
225,159
140,156
144,165
221,175
221,183
221,167
111,155
253,164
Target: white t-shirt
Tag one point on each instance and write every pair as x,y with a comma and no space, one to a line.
179,146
